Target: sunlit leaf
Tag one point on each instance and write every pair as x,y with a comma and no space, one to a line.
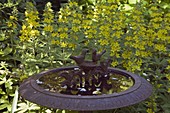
2,82
22,107
3,106
15,100
133,1
2,92
34,107
2,38
127,7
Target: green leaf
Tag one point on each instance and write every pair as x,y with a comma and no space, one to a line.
3,106
8,85
133,1
2,92
22,107
22,111
15,100
2,82
2,38
60,111
1,52
7,51
31,60
3,97
91,2
127,7
34,107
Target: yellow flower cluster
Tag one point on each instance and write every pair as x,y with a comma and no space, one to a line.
128,37
48,18
30,26
109,28
160,22
69,25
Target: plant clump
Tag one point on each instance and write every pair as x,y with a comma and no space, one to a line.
136,38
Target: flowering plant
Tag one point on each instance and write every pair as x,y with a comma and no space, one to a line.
138,40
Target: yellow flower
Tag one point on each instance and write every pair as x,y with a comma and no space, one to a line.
90,35
9,24
71,45
115,47
167,27
55,34
34,33
48,28
114,63
104,28
47,20
60,29
162,33
33,15
72,4
128,38
156,25
12,22
126,54
24,38
30,24
24,27
157,19
106,34
103,42
63,35
160,47
75,28
76,21
65,29
117,34
150,111
63,44
12,18
55,42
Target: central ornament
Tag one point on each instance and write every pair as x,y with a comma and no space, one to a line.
90,78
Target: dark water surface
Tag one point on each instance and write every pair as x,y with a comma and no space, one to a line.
78,83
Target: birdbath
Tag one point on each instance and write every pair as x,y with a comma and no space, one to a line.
89,86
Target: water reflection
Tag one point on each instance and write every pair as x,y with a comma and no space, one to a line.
75,82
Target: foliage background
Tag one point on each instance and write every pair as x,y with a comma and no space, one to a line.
35,38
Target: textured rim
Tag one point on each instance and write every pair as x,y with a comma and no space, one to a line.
31,91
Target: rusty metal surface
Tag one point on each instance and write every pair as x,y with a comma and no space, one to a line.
141,89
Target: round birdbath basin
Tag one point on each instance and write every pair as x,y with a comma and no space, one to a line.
74,88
